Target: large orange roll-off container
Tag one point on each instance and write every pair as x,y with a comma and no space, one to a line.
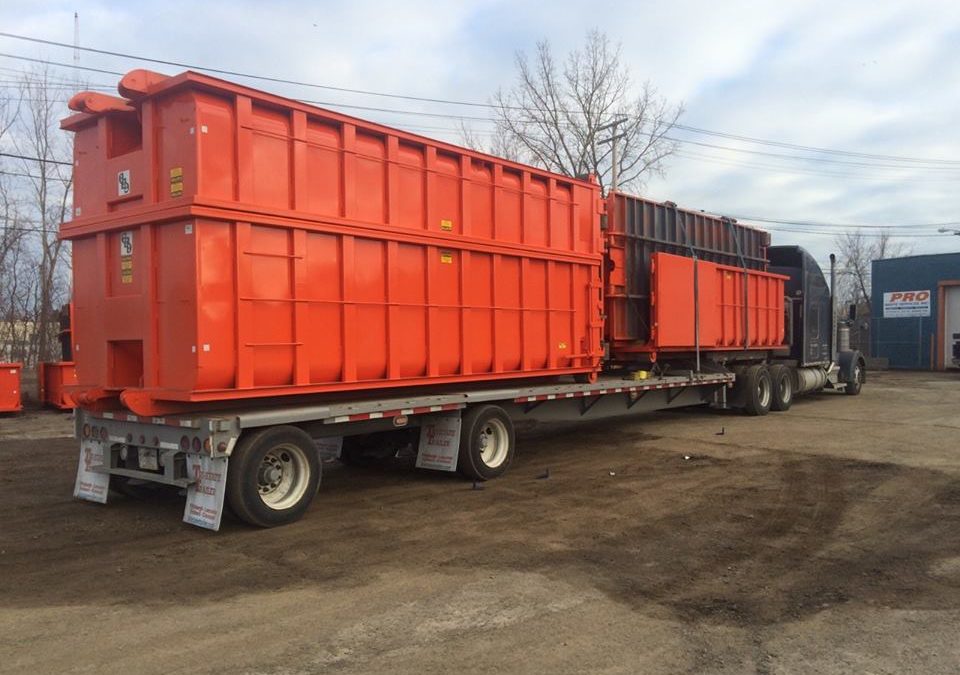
232,244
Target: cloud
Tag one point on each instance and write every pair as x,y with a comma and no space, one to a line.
862,76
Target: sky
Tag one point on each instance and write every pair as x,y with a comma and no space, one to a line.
859,76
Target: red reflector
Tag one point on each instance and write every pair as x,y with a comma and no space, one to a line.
86,431
185,443
143,439
196,444
104,436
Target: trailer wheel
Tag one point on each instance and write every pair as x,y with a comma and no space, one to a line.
782,381
487,441
272,476
759,390
856,382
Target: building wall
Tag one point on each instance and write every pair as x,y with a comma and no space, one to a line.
909,342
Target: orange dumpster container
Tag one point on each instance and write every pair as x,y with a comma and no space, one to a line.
10,387
54,379
721,305
231,244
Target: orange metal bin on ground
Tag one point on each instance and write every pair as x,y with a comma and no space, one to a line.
54,378
228,244
10,400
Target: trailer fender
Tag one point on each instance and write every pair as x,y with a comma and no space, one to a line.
848,361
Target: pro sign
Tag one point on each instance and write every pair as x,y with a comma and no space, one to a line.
897,304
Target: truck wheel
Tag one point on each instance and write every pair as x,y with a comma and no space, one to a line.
782,381
759,390
856,383
487,441
273,475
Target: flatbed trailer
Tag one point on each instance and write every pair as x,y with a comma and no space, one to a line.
279,447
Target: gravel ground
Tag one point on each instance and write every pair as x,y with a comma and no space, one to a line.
823,539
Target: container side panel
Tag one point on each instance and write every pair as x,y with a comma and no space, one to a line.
411,187
408,326
508,333
324,169
536,217
534,314
478,303
217,172
217,301
371,177
370,299
324,330
175,150
268,288
480,190
447,201
176,310
271,158
509,208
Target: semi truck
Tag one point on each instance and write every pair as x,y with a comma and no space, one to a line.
258,281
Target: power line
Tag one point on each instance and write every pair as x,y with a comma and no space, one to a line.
476,104
35,159
61,64
811,223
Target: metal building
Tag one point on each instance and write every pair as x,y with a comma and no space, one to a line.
916,311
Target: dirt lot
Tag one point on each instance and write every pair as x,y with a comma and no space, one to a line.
820,540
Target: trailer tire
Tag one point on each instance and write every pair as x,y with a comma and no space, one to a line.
273,476
781,379
758,394
487,442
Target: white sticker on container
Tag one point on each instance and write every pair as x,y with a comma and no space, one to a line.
123,183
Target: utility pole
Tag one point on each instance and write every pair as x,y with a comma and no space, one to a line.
615,163
76,45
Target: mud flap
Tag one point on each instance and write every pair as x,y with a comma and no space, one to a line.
439,443
204,507
91,484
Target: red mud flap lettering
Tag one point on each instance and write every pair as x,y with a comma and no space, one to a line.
204,507
439,443
91,484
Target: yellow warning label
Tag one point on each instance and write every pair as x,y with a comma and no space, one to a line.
126,257
176,181
126,269
446,257
446,225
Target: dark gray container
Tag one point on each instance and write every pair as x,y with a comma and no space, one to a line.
636,228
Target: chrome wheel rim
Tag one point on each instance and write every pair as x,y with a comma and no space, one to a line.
283,476
786,389
763,391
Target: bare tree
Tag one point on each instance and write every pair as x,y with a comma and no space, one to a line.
554,117
856,252
34,278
